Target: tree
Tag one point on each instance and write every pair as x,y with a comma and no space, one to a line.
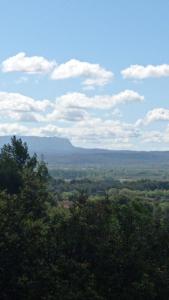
23,223
15,162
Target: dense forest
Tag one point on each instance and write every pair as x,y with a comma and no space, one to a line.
87,238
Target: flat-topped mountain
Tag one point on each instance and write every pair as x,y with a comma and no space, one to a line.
59,151
43,145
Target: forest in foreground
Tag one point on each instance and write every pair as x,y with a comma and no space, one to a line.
80,237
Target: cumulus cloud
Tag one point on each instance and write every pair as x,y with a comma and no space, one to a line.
26,109
80,123
92,132
22,108
22,63
97,128
19,102
95,75
97,132
72,115
80,100
143,72
72,107
156,114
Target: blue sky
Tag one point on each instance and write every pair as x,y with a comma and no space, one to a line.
94,71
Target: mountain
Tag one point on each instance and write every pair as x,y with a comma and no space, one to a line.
43,145
60,152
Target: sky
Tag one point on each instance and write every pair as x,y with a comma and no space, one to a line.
96,72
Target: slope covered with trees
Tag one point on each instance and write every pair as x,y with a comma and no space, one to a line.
112,247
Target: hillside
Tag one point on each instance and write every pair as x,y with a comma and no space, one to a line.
60,152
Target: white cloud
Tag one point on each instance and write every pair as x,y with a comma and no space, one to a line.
22,63
67,114
72,107
157,137
26,116
22,108
77,111
156,114
26,109
142,72
19,102
95,75
92,132
101,133
80,100
152,137
12,128
18,129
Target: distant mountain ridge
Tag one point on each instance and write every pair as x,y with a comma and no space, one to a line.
43,145
59,151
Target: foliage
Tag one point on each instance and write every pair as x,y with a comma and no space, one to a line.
98,247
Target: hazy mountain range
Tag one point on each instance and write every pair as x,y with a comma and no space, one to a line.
60,151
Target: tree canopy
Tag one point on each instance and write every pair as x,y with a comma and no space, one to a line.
99,249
